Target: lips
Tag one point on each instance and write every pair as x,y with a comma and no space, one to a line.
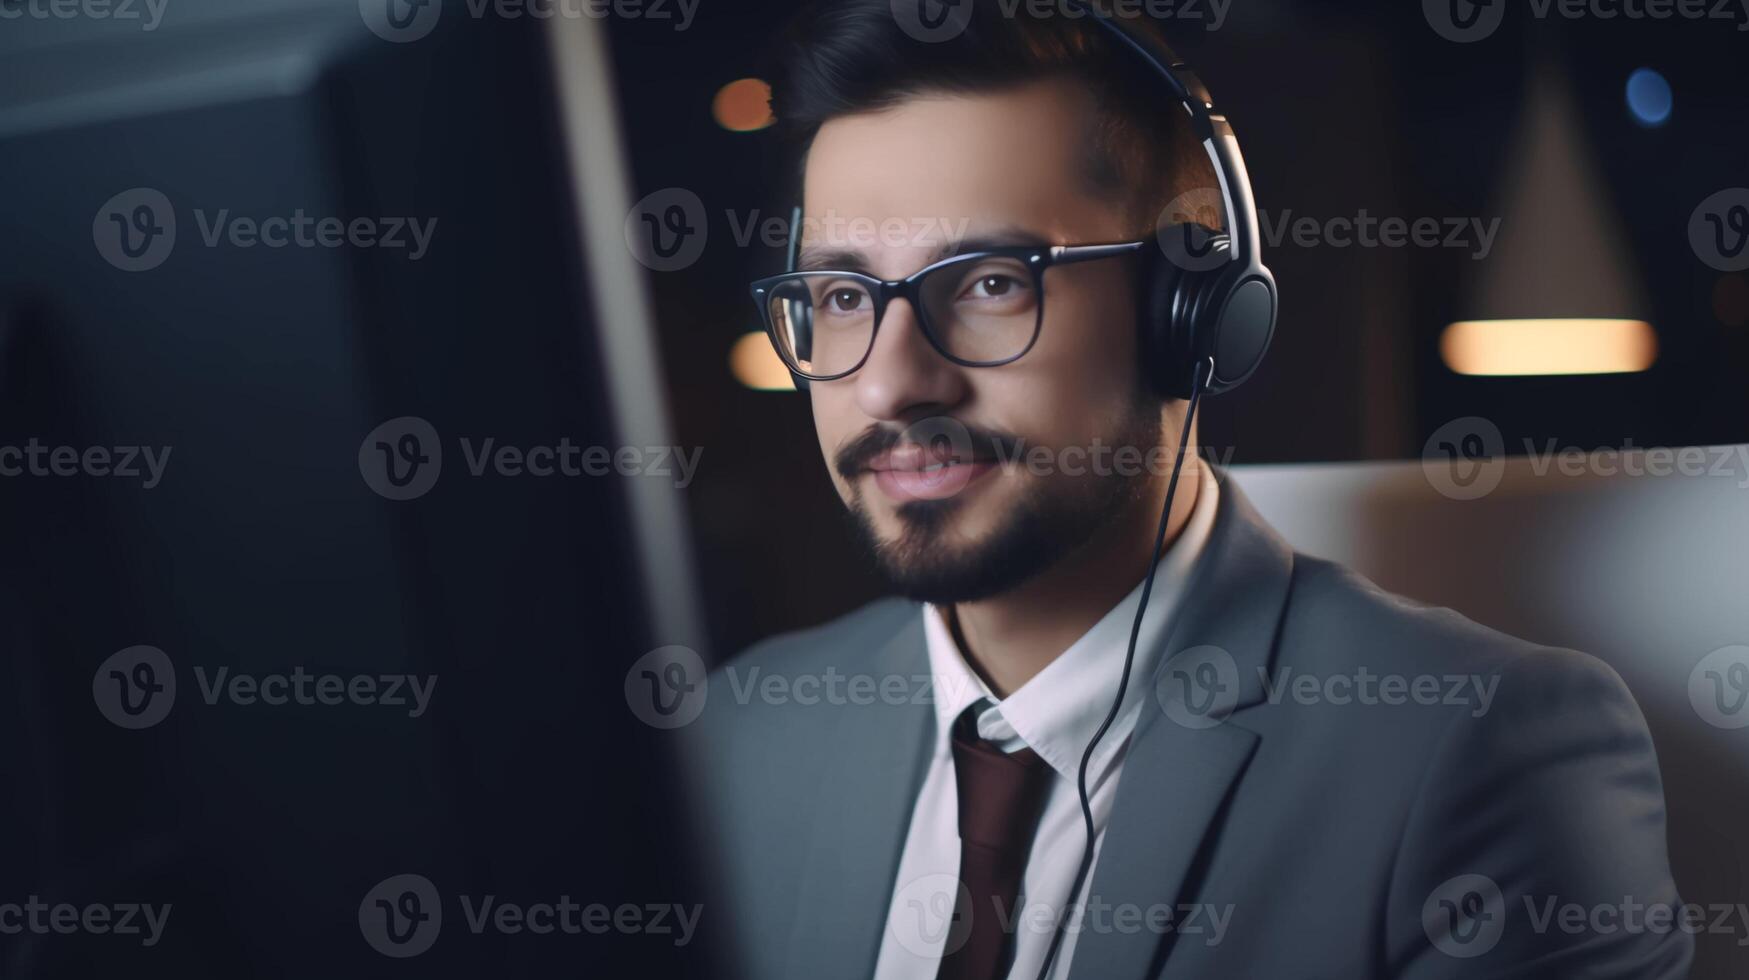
907,473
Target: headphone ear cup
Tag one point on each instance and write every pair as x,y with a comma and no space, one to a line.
1156,336
1175,323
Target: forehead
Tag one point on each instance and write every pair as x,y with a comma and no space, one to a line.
1009,158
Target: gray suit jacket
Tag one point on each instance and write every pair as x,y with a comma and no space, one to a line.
1452,833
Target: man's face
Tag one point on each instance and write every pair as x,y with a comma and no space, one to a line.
1006,167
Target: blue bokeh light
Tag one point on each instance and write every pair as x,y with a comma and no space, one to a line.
1649,97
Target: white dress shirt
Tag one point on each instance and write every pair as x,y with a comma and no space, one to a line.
1055,714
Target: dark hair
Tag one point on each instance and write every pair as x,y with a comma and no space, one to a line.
842,57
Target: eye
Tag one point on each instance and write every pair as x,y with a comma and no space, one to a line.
995,285
842,298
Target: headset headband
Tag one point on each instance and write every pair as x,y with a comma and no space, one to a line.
1211,128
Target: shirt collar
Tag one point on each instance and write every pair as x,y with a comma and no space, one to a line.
1056,712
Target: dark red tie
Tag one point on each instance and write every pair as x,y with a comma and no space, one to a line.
1001,795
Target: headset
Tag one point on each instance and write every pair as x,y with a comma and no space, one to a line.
1202,330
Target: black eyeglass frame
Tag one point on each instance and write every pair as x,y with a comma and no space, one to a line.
1036,258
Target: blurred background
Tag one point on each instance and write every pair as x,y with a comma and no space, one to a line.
1585,175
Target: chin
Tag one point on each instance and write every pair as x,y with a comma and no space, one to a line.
959,550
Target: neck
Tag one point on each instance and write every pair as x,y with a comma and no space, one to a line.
1009,638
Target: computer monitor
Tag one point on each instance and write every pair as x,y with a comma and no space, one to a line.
308,306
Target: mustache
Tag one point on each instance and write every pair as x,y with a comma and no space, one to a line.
977,444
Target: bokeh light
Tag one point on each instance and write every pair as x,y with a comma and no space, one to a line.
743,105
1649,97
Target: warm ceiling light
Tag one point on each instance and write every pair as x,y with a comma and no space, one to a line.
743,106
757,366
1527,347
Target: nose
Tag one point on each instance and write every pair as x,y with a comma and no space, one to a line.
905,377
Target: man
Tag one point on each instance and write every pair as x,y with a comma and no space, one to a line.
895,793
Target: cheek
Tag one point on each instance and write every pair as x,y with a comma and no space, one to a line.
834,424
1081,370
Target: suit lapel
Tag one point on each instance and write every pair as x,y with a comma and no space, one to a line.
1181,768
880,754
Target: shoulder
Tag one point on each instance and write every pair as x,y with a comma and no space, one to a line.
1338,618
1424,692
1522,765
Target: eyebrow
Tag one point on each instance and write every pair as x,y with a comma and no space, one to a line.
814,258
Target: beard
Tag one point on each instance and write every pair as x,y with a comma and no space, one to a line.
1051,518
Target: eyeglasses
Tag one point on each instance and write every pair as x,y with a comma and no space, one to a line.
980,309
